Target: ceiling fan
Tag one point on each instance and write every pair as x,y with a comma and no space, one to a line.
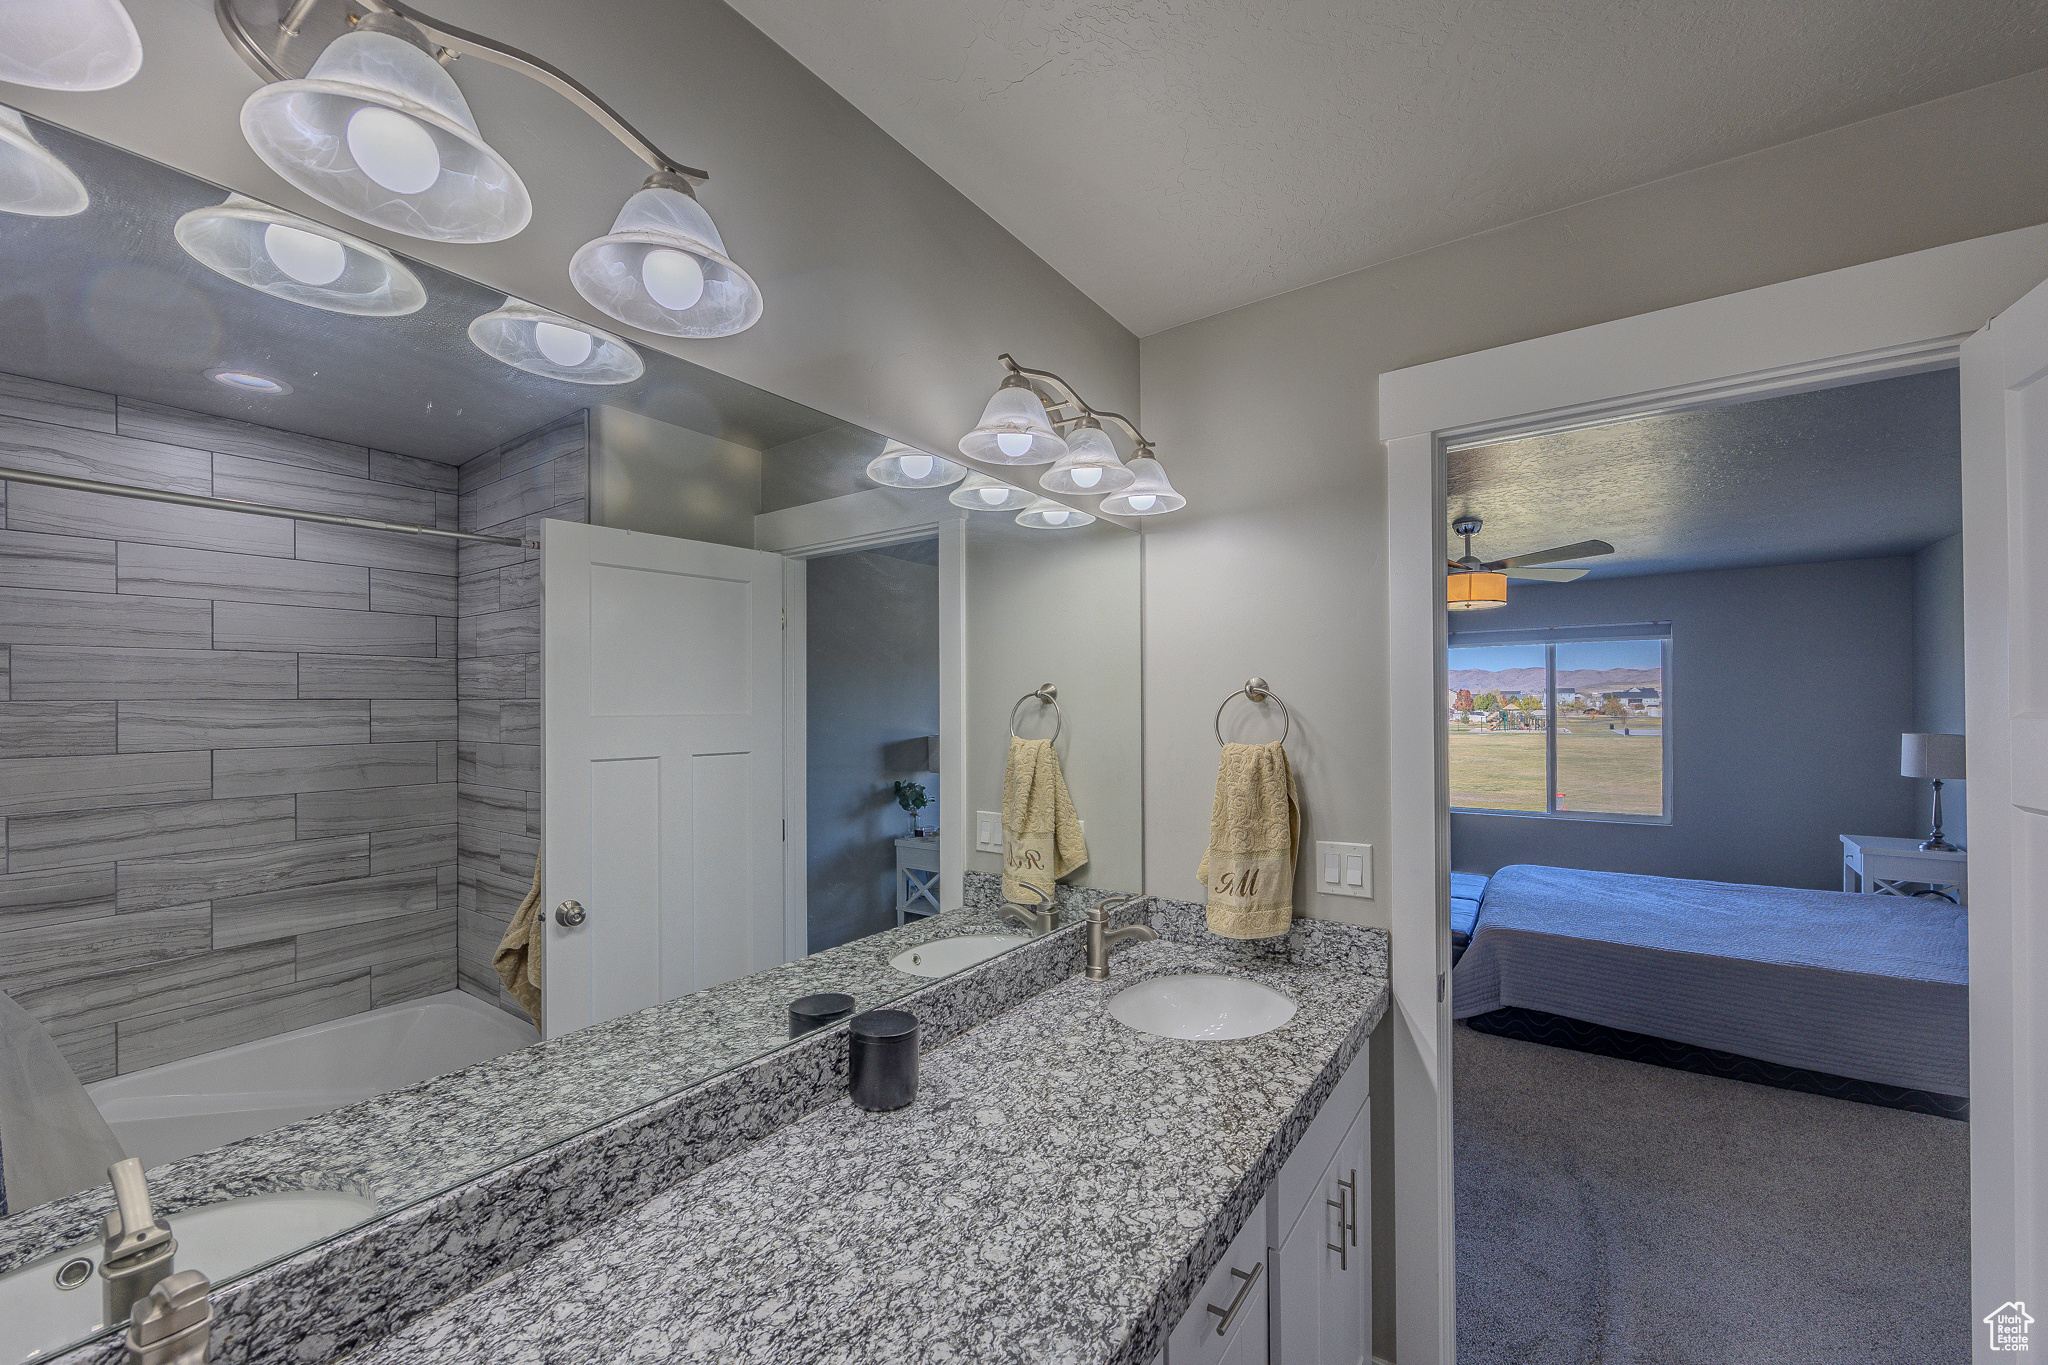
1476,584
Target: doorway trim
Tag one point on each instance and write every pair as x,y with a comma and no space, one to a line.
1904,315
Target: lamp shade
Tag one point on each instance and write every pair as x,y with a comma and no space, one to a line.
663,268
530,338
378,130
1014,429
902,466
1046,515
1932,756
1089,466
1475,591
68,44
32,180
299,260
1148,495
983,494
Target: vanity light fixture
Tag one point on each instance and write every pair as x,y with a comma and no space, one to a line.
1150,494
32,180
248,381
1087,462
1090,464
68,44
663,268
528,337
983,494
1046,515
299,260
1015,428
902,466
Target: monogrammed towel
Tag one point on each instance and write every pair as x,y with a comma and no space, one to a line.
1041,834
1254,829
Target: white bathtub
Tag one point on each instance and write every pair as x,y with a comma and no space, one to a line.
199,1103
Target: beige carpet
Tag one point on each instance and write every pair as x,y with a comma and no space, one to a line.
1613,1213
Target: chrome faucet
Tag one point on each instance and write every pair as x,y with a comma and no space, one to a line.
172,1324
1101,936
137,1250
1042,920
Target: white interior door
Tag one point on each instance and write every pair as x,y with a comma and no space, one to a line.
664,820
2005,629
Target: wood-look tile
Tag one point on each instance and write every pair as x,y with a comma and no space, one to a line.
39,842
477,936
564,438
517,856
153,883
481,722
480,845
399,722
534,801
447,760
425,805
33,616
29,559
39,400
229,437
407,850
6,673
147,726
374,549
50,729
322,767
447,512
153,1039
100,1001
531,492
73,452
382,943
63,512
428,594
491,808
91,781
88,1052
261,625
486,679
412,472
477,592
477,471
536,673
444,637
465,638
312,490
46,956
519,585
499,894
374,677
501,765
423,976
336,905
476,557
61,673
519,722
31,899
167,571
507,632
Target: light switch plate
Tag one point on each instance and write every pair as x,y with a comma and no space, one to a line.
1343,870
988,831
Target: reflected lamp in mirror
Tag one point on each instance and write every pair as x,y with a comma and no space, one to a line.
32,180
299,260
68,44
531,338
1014,428
1150,492
1090,464
663,268
1475,591
980,493
902,466
1936,759
1047,515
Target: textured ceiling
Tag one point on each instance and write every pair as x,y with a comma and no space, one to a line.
1175,158
1850,473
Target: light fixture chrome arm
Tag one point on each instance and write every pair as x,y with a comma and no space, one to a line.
1065,396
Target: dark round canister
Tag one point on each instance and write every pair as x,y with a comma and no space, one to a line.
882,1059
816,1011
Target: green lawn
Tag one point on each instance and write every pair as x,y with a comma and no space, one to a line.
1597,769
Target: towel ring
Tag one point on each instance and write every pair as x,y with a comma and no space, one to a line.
1255,690
1047,695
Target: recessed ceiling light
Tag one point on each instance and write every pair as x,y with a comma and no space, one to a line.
248,381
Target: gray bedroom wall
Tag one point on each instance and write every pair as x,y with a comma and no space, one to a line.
227,743
873,659
1938,668
1789,688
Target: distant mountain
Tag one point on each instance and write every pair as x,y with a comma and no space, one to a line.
1479,680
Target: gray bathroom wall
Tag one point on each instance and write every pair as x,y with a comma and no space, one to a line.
873,663
543,475
227,742
654,476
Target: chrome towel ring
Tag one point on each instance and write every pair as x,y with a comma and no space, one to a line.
1255,690
1046,695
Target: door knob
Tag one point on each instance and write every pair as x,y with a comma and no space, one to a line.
569,914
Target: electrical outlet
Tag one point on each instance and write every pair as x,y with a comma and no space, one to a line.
988,831
1344,869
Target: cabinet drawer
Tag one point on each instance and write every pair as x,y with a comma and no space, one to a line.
1203,1337
1298,1187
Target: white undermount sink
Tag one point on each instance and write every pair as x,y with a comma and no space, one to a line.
39,1316
1204,1006
944,956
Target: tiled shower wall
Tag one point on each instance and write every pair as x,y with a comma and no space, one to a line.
228,753
507,491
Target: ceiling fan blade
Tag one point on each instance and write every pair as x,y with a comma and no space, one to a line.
1584,549
1546,575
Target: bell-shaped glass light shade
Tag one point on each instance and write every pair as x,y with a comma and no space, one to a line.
902,466
533,339
1089,466
32,180
1047,515
1467,591
663,268
982,494
1148,495
378,130
298,259
68,44
1014,430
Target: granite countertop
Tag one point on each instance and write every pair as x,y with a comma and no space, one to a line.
1056,1194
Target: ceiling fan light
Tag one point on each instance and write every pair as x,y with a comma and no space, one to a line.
902,466
1475,590
1046,515
513,334
1014,429
983,494
633,272
68,44
32,180
1150,493
1089,466
286,256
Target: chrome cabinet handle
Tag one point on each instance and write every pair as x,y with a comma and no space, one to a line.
1229,1314
1346,1204
1339,1246
569,914
1352,1186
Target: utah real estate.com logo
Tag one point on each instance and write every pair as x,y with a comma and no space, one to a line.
2008,1325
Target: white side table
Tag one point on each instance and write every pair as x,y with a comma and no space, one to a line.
1878,866
917,878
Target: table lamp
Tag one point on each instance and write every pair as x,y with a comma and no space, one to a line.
1937,758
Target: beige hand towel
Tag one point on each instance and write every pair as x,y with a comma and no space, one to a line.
1041,835
1254,831
518,957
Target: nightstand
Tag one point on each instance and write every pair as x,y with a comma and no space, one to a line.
917,877
1878,866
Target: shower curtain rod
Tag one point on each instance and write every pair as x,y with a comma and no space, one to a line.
124,490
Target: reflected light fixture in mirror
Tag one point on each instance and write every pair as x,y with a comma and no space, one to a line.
1090,464
1014,428
1149,495
983,494
1467,591
32,180
902,466
248,381
299,260
68,44
663,268
1047,515
531,338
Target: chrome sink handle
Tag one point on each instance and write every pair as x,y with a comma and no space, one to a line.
171,1325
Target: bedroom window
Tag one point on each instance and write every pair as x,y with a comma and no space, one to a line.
1560,723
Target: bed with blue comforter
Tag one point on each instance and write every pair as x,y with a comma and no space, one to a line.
1870,987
